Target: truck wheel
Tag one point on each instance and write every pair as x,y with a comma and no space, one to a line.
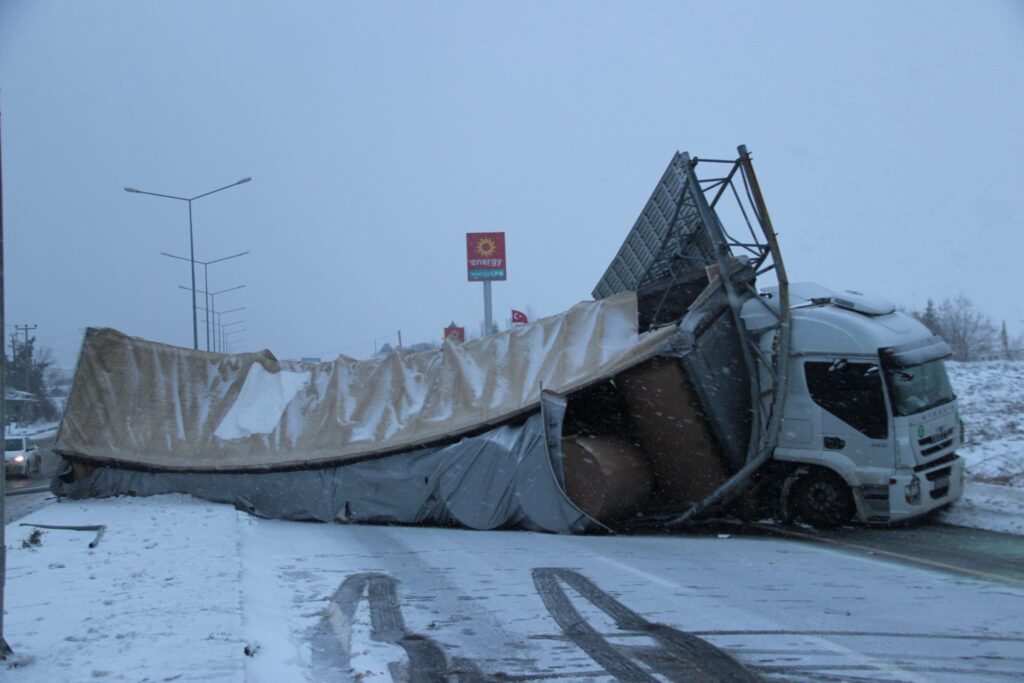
823,499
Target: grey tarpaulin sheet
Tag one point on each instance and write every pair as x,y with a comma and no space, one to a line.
498,479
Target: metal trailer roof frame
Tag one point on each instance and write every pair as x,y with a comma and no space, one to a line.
679,231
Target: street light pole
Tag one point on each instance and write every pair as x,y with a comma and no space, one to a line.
5,649
191,243
192,255
211,296
235,341
221,326
206,281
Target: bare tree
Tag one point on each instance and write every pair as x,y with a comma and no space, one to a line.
967,330
929,317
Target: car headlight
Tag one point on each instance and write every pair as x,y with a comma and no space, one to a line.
19,458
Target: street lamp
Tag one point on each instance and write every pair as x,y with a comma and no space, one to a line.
212,295
206,281
213,303
221,326
231,342
213,317
191,244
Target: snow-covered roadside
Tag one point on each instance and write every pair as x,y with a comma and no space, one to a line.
988,506
991,399
159,593
39,430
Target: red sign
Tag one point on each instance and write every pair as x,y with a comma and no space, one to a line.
518,317
455,335
485,256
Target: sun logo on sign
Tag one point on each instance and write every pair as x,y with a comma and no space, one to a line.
486,247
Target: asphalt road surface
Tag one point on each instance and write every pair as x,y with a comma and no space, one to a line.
443,604
920,602
968,552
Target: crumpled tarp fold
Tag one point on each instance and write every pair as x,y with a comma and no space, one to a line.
147,404
502,478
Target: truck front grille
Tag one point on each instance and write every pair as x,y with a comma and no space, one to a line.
938,441
925,452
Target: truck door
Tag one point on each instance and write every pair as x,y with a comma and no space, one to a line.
854,419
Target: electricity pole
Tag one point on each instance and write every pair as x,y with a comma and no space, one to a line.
5,649
28,368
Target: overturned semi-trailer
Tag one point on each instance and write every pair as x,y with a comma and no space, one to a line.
652,403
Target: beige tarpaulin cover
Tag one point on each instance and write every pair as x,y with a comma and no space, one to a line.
141,402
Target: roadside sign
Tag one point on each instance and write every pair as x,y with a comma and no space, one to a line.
454,334
485,256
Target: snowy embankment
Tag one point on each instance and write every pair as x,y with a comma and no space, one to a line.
991,399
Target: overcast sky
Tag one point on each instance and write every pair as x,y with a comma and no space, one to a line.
888,138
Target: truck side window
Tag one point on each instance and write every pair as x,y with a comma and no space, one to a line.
852,392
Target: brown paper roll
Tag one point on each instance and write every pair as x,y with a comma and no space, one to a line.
605,476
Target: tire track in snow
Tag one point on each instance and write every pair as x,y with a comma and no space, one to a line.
679,657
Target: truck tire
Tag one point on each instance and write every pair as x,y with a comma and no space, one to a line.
823,499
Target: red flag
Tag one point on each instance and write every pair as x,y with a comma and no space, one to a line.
519,317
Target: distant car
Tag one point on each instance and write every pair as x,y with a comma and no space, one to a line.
21,456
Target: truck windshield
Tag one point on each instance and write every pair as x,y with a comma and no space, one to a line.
919,387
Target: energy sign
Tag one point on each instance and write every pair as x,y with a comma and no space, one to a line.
485,256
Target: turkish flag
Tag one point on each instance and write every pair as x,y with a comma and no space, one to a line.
519,317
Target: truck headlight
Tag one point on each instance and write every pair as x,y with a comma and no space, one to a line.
912,491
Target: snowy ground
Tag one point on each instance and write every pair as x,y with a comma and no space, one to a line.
38,430
991,399
179,589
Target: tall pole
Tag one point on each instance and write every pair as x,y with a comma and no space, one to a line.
488,325
192,258
222,326
191,243
4,648
28,370
206,286
211,297
211,306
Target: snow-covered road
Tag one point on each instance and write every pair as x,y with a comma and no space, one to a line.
198,591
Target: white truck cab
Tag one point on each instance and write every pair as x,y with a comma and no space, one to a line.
870,424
